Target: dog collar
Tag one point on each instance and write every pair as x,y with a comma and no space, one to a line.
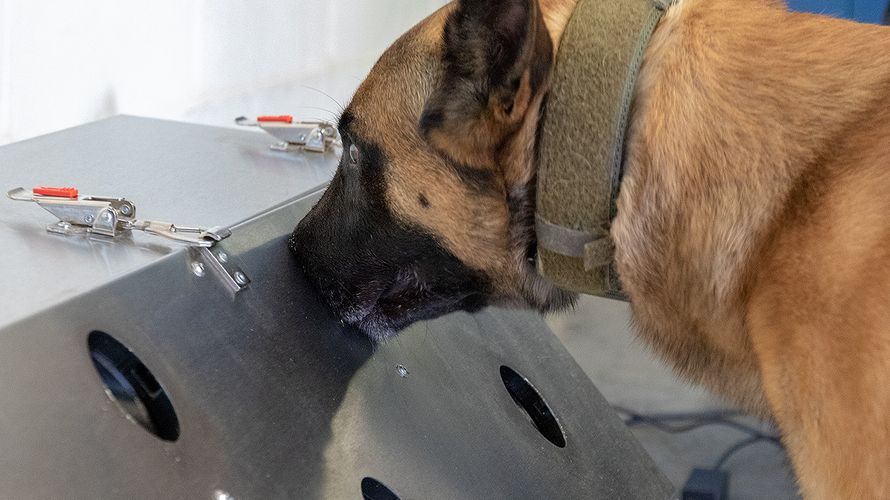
582,141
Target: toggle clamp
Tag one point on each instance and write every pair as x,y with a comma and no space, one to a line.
313,136
109,217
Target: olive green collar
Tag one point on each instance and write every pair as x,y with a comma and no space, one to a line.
582,140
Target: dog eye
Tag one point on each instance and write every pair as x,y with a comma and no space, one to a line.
353,154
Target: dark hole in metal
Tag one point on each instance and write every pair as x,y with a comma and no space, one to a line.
132,386
373,489
527,397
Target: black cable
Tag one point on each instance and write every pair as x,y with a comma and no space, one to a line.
743,444
675,423
681,415
692,420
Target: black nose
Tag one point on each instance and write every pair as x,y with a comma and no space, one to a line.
331,257
307,244
301,238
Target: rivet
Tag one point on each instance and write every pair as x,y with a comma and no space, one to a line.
240,278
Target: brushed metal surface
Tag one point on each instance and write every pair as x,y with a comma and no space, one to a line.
190,175
274,398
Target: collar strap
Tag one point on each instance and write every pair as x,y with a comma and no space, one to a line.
582,140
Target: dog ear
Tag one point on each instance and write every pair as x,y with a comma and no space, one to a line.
497,58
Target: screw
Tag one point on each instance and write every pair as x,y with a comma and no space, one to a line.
222,256
107,218
88,219
403,372
125,209
240,278
198,269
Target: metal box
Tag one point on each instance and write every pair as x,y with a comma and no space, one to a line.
128,371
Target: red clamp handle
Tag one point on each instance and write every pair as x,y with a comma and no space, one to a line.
279,118
56,192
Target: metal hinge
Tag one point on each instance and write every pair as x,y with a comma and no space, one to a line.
113,217
109,217
314,136
218,261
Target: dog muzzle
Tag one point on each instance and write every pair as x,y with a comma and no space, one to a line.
582,141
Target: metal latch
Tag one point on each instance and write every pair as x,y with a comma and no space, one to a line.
315,136
115,216
109,217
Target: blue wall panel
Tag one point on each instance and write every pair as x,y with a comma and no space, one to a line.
867,11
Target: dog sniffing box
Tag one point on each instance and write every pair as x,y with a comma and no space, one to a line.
256,391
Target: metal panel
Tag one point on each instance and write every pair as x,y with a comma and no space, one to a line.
176,172
866,11
274,398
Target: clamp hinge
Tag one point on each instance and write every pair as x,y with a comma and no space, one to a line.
313,136
221,264
110,217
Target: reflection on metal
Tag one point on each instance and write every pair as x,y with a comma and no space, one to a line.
272,396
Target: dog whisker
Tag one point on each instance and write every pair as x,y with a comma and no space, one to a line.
335,101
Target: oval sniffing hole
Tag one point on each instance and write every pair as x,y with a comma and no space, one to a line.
132,386
527,397
373,489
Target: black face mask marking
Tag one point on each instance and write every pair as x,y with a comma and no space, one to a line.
377,272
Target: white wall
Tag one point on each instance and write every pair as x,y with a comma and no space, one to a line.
67,62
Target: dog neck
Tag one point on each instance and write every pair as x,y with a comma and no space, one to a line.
740,107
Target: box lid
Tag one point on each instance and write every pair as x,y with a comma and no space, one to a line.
185,174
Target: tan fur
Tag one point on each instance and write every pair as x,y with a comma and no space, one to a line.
406,74
556,16
477,228
752,233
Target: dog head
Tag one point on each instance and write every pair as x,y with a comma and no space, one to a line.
431,209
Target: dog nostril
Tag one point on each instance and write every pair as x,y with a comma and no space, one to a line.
528,398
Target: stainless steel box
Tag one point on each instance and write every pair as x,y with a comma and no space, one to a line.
271,397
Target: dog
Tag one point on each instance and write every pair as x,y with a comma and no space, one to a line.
752,234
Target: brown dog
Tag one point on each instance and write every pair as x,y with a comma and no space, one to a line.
753,226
